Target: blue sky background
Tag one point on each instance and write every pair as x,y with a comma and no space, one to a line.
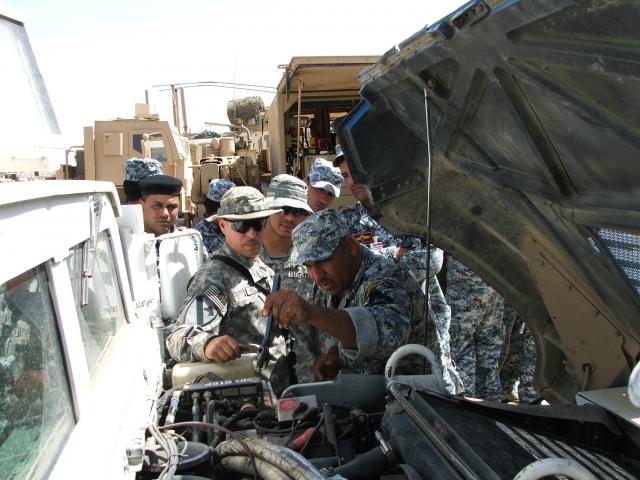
98,57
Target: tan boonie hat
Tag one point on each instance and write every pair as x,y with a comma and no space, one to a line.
287,191
243,203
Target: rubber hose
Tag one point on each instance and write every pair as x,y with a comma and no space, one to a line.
283,458
242,465
370,464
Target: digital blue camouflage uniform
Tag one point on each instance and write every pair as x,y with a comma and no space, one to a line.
323,174
221,301
384,302
518,366
477,331
288,191
212,237
373,235
368,231
414,263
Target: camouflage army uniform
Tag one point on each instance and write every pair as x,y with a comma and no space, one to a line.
212,237
477,331
387,310
309,341
286,191
383,301
220,301
368,231
414,263
516,373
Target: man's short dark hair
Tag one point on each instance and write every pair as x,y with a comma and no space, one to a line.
132,192
210,206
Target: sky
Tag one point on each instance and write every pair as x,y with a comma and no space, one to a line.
98,57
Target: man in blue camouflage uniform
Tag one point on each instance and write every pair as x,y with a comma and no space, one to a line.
362,221
324,184
414,262
290,194
372,305
135,169
477,331
518,366
221,312
211,235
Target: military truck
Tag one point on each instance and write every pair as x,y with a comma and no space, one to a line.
312,93
195,160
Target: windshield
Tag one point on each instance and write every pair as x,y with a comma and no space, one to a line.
22,89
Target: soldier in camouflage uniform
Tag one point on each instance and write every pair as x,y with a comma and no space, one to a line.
324,184
414,263
516,373
477,331
372,305
221,312
290,194
361,219
211,235
135,169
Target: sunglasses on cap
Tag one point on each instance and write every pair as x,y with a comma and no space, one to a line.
296,212
243,226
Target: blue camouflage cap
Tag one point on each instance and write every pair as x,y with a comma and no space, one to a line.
288,191
243,203
135,169
324,175
318,236
218,187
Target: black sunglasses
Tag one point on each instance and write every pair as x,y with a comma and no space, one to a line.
243,226
296,212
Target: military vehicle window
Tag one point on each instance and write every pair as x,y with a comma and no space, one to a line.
156,145
36,415
157,149
624,248
101,317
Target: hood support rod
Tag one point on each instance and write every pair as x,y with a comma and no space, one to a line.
427,309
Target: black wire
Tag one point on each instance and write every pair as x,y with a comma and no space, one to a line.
294,426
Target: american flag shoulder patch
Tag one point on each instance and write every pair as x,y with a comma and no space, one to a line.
216,298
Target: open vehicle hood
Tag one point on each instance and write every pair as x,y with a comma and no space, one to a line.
535,133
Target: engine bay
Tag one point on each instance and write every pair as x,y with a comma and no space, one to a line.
366,427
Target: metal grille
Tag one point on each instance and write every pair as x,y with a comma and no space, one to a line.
625,249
